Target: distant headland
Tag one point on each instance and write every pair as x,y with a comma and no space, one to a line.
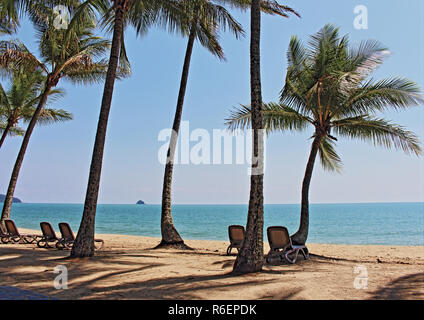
140,202
14,200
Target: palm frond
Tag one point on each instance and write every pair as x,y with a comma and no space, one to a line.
276,117
328,156
393,93
380,132
14,54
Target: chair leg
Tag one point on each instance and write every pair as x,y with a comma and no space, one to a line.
292,261
229,250
40,245
28,239
101,244
5,239
305,254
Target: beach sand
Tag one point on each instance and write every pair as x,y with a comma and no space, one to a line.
129,268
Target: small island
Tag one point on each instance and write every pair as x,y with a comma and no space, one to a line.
140,202
14,200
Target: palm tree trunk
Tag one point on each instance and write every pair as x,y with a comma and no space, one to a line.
84,242
302,234
251,255
7,205
5,132
170,235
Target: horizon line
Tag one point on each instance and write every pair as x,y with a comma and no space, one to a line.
224,204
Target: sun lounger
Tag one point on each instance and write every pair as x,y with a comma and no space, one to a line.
13,235
68,237
2,234
281,245
49,236
236,235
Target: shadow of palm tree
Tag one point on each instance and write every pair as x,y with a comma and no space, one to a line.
410,287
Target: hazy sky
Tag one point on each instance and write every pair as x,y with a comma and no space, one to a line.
57,162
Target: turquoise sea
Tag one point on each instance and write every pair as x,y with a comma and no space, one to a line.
367,223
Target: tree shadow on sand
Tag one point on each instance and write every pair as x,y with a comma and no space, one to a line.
410,287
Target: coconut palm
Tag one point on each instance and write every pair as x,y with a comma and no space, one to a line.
116,15
328,88
203,20
20,101
74,54
250,257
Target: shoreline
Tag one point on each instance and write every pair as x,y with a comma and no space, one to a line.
377,224
38,232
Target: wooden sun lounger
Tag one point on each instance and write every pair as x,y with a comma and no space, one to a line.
13,236
236,235
49,236
68,238
281,245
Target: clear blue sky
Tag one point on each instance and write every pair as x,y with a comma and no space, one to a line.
58,158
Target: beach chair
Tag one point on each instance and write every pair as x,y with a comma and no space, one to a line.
236,235
280,244
68,238
49,236
3,235
12,234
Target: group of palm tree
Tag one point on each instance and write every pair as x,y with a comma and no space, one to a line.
326,86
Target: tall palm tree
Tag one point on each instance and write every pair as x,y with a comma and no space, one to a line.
20,102
250,257
328,87
203,20
116,15
73,53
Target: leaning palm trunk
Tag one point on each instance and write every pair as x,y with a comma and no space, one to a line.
7,205
301,235
5,132
251,255
84,242
170,236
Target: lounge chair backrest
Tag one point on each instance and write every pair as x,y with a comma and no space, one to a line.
236,233
47,230
66,231
278,237
11,228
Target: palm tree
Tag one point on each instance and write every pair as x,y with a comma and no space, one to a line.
73,53
141,14
20,101
250,257
327,87
203,21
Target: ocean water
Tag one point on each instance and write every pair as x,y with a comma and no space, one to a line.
367,223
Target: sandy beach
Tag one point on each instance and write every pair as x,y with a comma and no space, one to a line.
129,268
